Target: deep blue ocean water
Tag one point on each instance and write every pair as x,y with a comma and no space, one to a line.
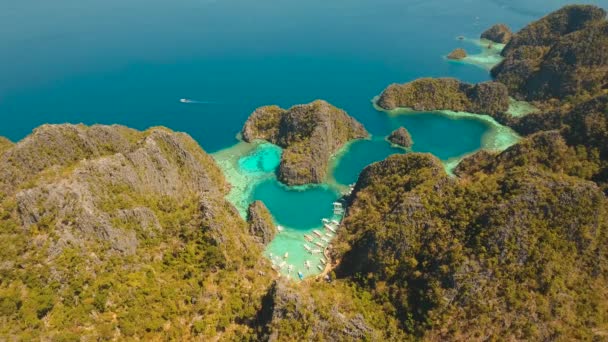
130,61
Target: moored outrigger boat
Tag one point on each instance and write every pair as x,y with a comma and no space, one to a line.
330,228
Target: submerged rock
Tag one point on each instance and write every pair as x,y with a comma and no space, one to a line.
310,134
562,55
457,54
401,137
427,94
499,33
261,225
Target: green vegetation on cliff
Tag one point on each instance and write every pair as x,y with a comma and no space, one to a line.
5,144
561,56
488,255
428,94
111,233
310,135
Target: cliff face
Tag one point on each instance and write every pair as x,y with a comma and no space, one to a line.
428,94
304,313
99,221
563,54
499,33
309,134
483,257
261,225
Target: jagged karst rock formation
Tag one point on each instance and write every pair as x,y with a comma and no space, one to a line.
499,33
112,227
457,54
261,224
564,54
304,313
401,137
310,134
428,94
447,254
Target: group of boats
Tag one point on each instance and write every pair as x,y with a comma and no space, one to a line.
316,242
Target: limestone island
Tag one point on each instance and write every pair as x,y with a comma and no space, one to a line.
457,54
261,225
401,137
309,134
428,94
562,55
499,33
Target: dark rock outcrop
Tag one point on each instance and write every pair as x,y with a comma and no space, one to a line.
428,94
457,54
499,33
310,134
261,224
401,137
564,54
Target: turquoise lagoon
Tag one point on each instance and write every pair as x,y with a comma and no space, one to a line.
130,61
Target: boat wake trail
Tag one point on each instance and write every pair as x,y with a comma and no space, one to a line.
195,101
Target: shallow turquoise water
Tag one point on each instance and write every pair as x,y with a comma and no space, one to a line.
299,209
358,155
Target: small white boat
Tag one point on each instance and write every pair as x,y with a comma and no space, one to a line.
307,247
319,244
335,222
329,235
308,238
307,264
330,228
286,255
323,261
325,239
325,220
280,228
317,233
315,251
320,267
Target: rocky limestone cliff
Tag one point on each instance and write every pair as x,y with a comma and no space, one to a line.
106,229
401,137
305,313
499,33
428,94
261,224
74,179
310,134
457,54
447,255
564,54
